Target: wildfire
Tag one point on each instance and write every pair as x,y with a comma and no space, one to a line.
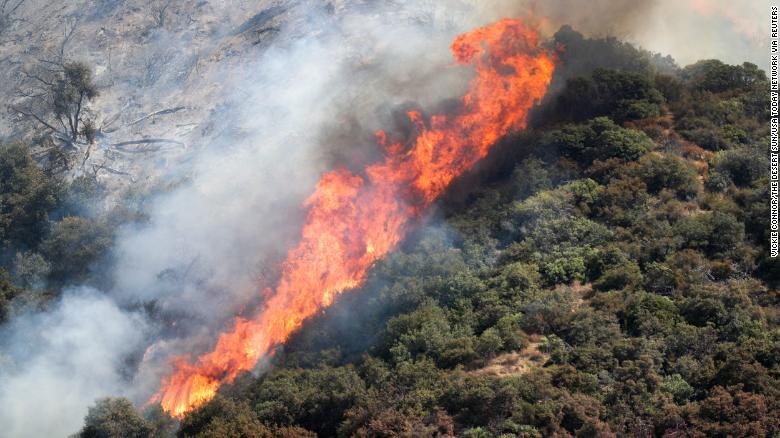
354,220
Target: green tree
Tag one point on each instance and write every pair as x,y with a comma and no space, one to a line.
715,76
114,418
600,139
740,166
222,417
667,172
316,399
616,94
7,293
716,233
73,245
530,177
27,196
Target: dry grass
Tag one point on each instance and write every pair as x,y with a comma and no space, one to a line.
516,362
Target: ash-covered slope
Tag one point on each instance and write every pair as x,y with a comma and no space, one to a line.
168,72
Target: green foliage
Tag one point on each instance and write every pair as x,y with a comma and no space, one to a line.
426,331
599,291
740,166
73,245
511,335
42,252
619,277
585,194
222,417
27,196
583,55
669,86
114,418
721,106
600,139
80,196
667,172
7,293
619,95
518,276
650,314
715,76
714,233
315,399
476,432
31,270
530,177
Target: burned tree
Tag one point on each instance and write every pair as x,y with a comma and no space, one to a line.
7,9
159,8
56,99
71,92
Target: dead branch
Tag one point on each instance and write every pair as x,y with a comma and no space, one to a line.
105,126
73,22
106,130
159,9
7,9
157,113
98,167
37,118
121,145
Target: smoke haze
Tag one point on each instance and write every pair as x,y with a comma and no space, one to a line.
64,360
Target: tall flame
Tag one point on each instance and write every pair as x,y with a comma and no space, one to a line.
354,220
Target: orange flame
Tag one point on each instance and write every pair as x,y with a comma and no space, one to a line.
354,220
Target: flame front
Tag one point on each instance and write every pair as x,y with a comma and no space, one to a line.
354,220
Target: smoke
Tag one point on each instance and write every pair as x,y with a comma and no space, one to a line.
270,105
62,361
733,32
311,102
205,247
688,30
278,107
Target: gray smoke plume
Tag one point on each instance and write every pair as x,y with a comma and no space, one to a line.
63,360
689,30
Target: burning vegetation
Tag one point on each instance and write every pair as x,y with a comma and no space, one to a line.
354,220
561,235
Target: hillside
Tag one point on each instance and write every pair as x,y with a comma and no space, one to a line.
602,272
606,276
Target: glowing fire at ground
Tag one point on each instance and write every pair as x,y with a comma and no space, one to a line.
354,220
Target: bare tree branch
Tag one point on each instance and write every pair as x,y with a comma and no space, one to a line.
36,117
69,31
147,140
7,9
159,9
139,120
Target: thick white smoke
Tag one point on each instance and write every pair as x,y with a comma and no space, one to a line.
309,95
60,361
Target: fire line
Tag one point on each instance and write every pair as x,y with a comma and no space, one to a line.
354,220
